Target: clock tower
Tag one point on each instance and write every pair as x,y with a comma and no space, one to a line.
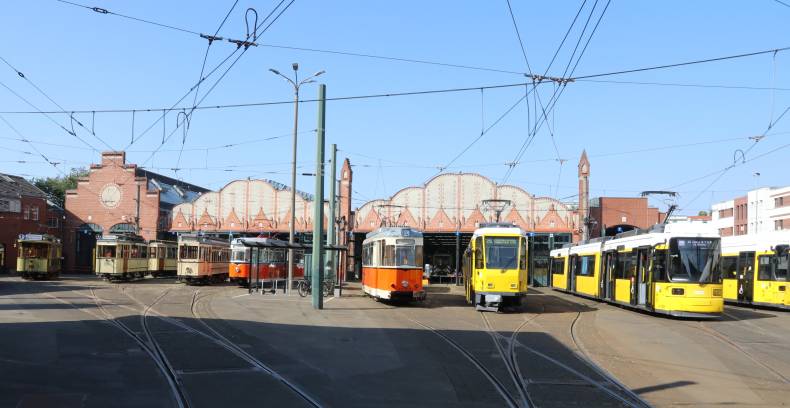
584,195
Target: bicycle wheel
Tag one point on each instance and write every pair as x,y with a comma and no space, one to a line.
304,288
329,288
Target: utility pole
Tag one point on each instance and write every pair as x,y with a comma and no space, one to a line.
318,205
331,235
292,225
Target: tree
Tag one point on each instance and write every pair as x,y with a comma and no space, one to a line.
703,213
55,187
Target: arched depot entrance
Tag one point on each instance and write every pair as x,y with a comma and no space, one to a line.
616,229
85,242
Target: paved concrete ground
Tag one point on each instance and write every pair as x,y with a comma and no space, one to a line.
83,342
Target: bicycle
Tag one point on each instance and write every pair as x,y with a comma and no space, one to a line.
305,287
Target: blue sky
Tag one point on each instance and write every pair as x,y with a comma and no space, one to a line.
86,61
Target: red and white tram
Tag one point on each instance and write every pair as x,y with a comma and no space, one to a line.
392,264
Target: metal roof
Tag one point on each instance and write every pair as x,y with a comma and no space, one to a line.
15,186
277,243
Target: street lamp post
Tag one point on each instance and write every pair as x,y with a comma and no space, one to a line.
292,225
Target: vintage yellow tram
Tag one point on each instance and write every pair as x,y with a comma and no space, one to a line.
495,267
669,269
121,257
162,258
755,269
39,256
202,259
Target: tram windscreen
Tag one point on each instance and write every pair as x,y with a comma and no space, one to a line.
239,255
694,260
501,252
408,255
188,252
29,250
106,251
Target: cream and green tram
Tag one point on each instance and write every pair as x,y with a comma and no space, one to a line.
162,258
202,259
671,269
755,269
39,256
121,257
495,267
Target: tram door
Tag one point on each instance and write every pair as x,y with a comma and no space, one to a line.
607,280
642,272
745,276
572,272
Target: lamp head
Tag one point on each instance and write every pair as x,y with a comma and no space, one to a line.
275,71
295,66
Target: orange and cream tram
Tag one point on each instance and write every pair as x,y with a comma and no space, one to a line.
121,257
392,264
269,263
202,259
162,258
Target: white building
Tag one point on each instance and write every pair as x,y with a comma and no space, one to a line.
761,210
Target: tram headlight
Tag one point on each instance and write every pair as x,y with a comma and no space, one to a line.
678,291
405,284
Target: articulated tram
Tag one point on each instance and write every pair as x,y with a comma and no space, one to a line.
121,257
755,269
495,267
202,259
39,256
392,264
162,258
670,269
270,263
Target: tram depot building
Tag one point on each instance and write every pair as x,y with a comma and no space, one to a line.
118,197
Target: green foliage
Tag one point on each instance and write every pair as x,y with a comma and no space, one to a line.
703,213
56,187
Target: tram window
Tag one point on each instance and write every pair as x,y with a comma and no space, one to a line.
522,263
143,252
34,250
729,267
171,253
106,251
585,265
557,266
764,268
626,265
694,260
659,265
418,255
366,254
389,256
479,253
780,268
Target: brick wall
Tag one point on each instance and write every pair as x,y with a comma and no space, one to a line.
614,211
86,205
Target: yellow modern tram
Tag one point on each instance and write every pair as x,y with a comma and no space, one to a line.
121,257
671,269
202,259
495,267
162,258
39,256
755,269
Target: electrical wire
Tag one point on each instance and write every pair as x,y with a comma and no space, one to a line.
141,20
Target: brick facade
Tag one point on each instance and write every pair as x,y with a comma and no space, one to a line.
113,194
611,213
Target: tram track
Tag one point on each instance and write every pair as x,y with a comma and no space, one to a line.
177,391
247,356
510,357
214,337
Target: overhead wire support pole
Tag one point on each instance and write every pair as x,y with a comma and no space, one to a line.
332,218
318,206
